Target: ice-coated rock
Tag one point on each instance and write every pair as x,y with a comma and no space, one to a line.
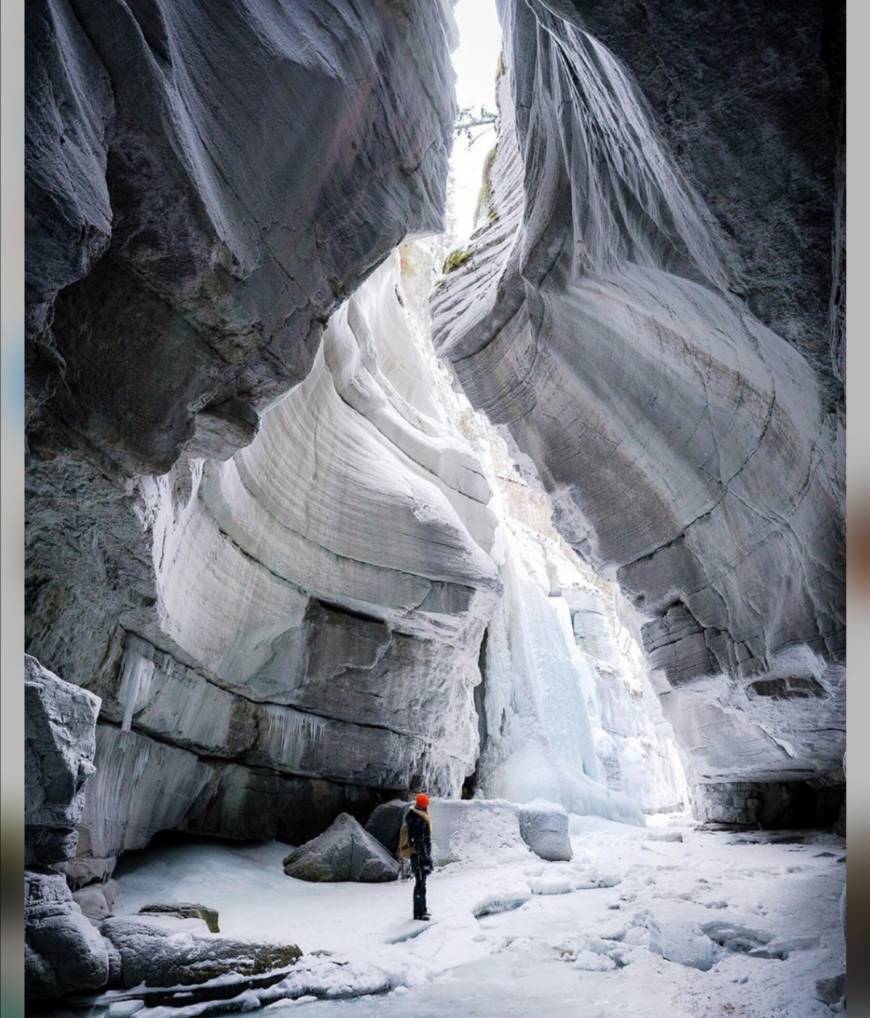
97,901
634,245
544,828
346,851
186,910
294,635
207,195
682,943
178,790
58,758
163,950
63,952
479,831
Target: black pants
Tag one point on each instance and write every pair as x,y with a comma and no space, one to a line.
419,871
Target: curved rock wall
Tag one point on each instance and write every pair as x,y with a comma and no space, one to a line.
605,314
207,185
321,599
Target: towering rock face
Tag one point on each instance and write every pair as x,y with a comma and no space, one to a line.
649,312
321,599
206,187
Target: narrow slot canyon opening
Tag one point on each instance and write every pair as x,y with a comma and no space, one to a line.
534,512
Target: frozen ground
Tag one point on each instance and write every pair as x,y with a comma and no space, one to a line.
620,929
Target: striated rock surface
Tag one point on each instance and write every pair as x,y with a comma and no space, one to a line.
321,598
204,187
63,952
162,950
646,310
346,851
205,192
59,750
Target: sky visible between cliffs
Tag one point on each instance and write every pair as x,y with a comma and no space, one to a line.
475,61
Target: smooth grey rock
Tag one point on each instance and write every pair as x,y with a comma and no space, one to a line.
544,828
186,910
635,244
64,953
161,950
158,212
385,823
346,851
58,758
97,901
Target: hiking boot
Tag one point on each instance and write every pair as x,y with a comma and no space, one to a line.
424,917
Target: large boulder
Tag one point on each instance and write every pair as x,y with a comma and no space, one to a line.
63,952
385,823
344,852
59,747
167,950
544,828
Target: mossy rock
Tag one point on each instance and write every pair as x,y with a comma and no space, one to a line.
185,910
455,260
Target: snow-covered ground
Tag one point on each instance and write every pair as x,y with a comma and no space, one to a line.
620,929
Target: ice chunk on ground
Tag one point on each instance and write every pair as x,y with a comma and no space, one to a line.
484,832
544,828
682,943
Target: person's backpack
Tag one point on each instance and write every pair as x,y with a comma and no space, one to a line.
405,849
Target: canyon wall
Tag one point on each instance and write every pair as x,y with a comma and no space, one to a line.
651,308
297,569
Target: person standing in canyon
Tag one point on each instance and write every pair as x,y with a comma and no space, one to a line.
415,843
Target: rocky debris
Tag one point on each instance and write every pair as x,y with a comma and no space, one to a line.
385,823
59,750
346,851
544,828
166,951
185,910
63,951
97,901
565,327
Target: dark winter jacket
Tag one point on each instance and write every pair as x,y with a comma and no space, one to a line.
420,835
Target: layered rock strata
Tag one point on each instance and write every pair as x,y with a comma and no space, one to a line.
321,598
205,190
648,316
62,949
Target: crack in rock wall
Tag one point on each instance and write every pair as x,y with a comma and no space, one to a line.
652,329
